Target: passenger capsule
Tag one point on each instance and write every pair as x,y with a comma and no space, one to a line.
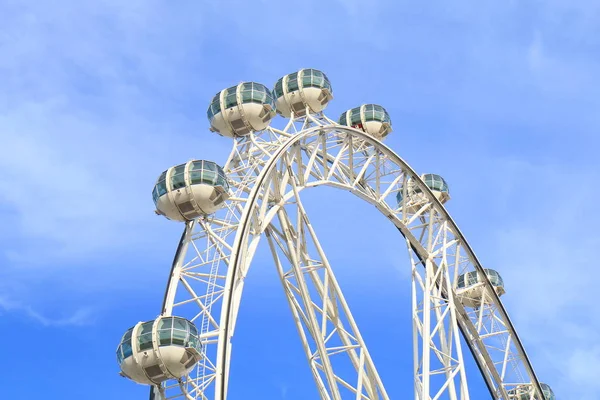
242,109
523,392
415,196
306,89
369,118
470,287
189,190
154,351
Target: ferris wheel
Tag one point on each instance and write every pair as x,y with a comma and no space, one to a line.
186,352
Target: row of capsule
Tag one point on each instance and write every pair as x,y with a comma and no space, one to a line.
250,106
200,187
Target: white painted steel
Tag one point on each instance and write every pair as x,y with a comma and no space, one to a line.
268,171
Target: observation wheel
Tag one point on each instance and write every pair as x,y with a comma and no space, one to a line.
185,353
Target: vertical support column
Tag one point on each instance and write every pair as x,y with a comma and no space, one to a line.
426,332
299,317
436,341
176,268
320,310
310,312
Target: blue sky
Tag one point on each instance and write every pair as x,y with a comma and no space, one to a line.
96,99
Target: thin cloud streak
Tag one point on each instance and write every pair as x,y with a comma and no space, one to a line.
76,92
81,317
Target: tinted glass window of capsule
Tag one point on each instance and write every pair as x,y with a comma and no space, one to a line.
355,116
432,181
278,91
470,278
524,393
374,112
292,82
399,196
178,177
174,331
252,92
548,393
310,78
315,78
230,97
160,188
125,349
209,173
215,106
206,172
435,182
144,341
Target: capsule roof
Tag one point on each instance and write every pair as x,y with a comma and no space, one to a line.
243,93
471,278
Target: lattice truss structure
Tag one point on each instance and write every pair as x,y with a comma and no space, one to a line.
268,171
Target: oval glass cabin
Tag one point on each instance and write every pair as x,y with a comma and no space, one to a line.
470,288
306,89
415,196
189,190
154,351
369,118
241,109
524,392
436,183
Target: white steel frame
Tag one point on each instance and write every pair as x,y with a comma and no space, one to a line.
268,170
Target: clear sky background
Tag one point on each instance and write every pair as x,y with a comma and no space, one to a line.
97,98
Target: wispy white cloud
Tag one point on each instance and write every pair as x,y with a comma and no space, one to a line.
79,86
536,52
80,317
90,113
284,391
544,246
582,370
